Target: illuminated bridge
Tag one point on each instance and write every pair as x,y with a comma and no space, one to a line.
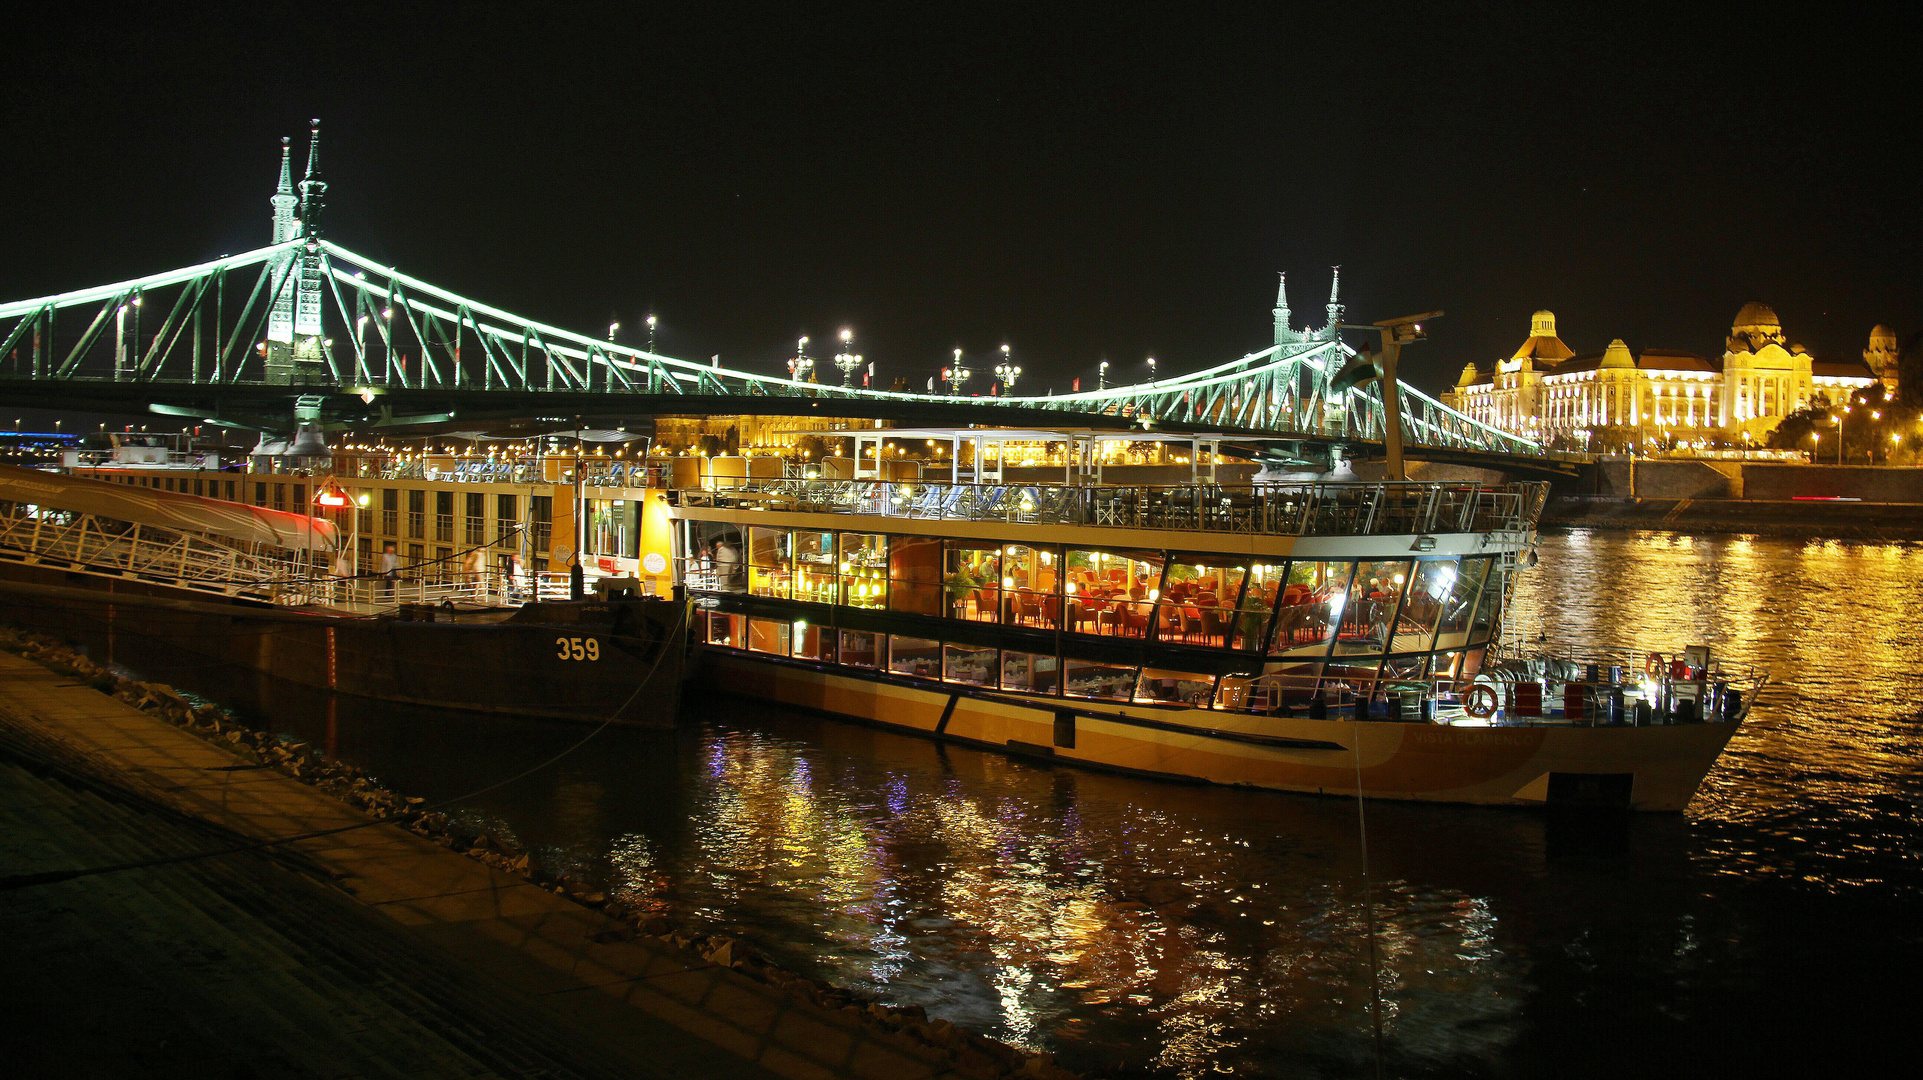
306,330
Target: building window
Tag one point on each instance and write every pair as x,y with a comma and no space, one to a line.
444,515
417,513
390,512
507,517
541,514
475,533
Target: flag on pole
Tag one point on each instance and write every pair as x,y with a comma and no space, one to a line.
1078,385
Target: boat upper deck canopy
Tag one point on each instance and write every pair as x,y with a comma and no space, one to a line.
165,509
1304,509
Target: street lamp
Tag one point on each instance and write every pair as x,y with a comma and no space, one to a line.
1839,434
847,360
612,327
1007,372
1151,369
803,364
1101,376
956,375
650,334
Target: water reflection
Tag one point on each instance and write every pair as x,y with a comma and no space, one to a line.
1142,928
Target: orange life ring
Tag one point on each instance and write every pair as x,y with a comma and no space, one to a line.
1653,667
1480,701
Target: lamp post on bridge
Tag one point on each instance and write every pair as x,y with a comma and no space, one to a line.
956,375
803,364
1101,376
612,327
1006,371
650,335
847,359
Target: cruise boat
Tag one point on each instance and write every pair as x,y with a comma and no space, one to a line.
129,550
1313,637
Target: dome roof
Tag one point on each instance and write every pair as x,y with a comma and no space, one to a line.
1542,324
1882,333
1618,355
1758,315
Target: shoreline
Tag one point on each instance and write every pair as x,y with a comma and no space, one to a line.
811,1017
1813,519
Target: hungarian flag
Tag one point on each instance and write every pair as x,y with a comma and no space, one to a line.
1078,386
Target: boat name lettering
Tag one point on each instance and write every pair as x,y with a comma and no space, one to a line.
574,648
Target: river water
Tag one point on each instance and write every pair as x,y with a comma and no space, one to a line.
1138,928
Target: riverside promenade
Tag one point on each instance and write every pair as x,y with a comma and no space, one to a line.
371,952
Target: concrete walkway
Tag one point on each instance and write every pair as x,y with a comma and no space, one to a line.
374,952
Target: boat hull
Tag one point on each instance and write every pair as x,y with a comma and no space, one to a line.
539,663
1647,768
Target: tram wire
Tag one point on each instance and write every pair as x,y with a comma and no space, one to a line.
22,881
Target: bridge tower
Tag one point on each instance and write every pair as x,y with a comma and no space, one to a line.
280,318
302,357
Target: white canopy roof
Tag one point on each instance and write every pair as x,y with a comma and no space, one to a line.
145,506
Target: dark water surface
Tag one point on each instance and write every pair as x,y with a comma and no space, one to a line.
1138,928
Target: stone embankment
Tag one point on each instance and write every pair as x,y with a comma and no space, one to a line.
881,1040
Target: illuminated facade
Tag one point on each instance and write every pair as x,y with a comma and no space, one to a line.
1618,399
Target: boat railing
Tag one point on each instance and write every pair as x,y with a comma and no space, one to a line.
1313,509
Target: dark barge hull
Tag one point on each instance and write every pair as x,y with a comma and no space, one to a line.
590,660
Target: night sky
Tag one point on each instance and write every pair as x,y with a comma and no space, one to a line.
1103,185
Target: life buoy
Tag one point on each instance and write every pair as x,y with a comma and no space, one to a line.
1480,701
1653,667
1678,670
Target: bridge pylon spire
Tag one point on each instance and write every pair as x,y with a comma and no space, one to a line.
1334,308
1284,334
313,190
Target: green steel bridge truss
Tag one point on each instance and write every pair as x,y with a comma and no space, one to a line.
206,326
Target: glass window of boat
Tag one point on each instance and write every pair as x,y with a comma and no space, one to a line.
1310,607
1031,673
714,556
815,570
970,665
1096,679
770,561
1347,682
1488,609
1402,687
864,570
915,656
769,636
1197,602
1369,617
813,641
914,575
1156,686
1031,586
1264,588
1422,608
861,649
972,573
724,628
1237,691
1457,605
1108,591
